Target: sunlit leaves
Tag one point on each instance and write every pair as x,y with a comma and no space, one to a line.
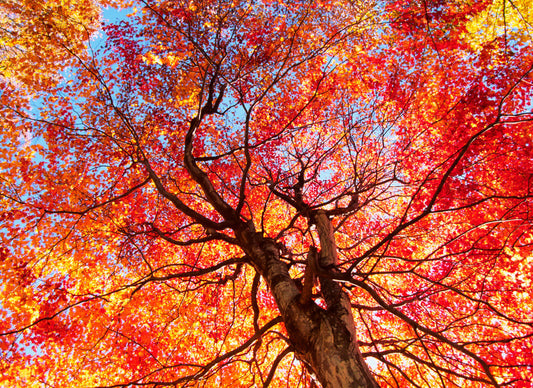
53,33
506,21
409,123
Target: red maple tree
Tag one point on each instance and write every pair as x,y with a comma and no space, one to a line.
267,193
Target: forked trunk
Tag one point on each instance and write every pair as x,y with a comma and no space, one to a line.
323,338
327,346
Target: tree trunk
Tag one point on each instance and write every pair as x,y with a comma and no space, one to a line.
324,339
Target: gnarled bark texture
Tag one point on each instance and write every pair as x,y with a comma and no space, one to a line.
324,339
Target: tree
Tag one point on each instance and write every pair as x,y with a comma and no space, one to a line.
267,193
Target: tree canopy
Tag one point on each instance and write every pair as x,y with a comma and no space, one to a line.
298,193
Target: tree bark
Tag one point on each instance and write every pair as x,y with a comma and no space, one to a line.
324,339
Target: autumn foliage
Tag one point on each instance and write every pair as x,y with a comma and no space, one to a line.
168,180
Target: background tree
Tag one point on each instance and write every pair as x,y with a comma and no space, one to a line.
267,193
